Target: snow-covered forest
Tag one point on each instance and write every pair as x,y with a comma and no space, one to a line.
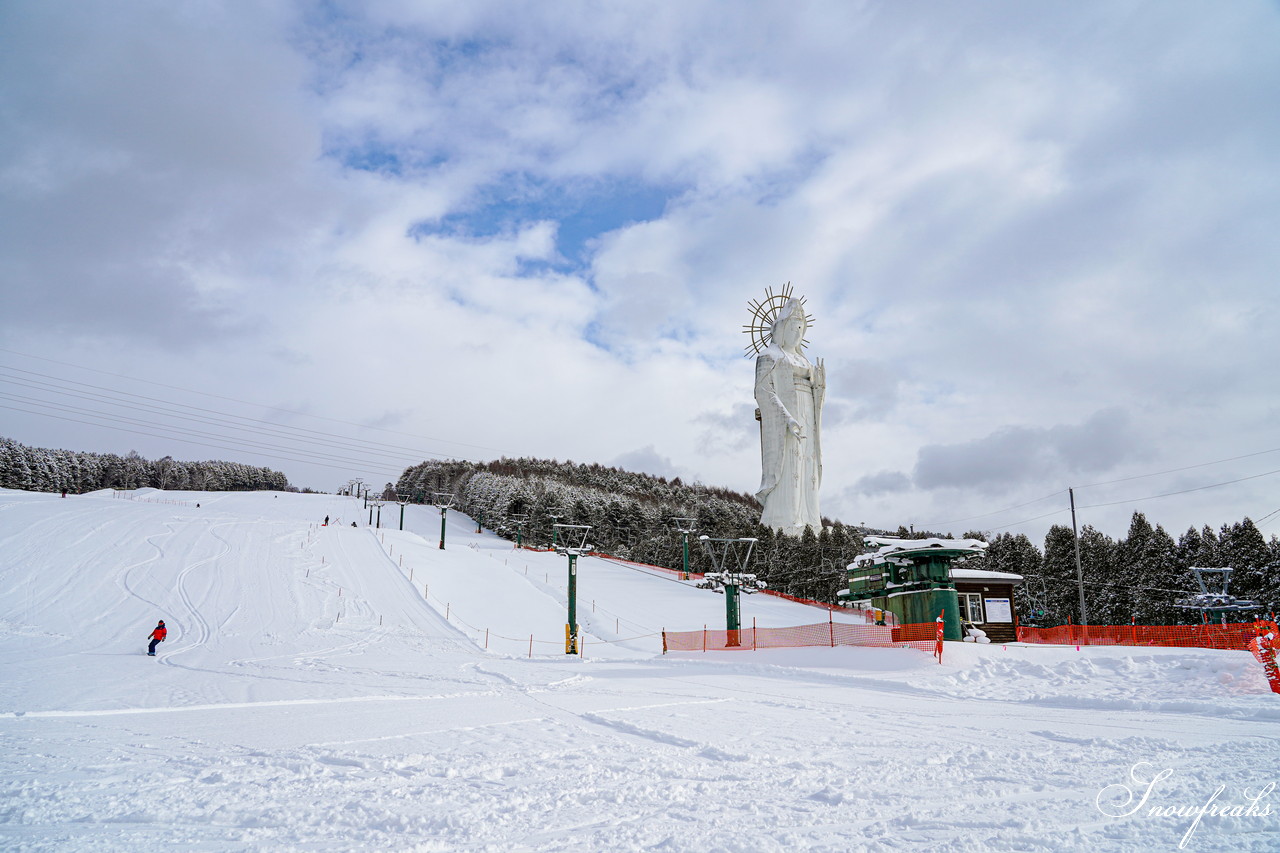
40,469
1137,577
631,516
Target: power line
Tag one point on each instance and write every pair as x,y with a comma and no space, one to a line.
1140,499
1175,470
235,400
1131,587
1028,520
342,443
107,398
1117,503
1182,491
248,443
994,512
268,455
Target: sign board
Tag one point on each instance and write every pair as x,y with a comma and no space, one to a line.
998,609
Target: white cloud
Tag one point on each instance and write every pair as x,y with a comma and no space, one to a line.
1001,215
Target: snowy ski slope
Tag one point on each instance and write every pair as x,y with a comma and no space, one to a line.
309,697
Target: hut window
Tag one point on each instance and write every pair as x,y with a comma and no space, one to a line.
970,607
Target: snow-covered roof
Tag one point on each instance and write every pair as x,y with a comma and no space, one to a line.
889,544
960,574
888,547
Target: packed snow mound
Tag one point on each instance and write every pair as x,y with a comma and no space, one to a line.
1227,683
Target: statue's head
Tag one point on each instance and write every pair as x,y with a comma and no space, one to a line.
778,319
790,326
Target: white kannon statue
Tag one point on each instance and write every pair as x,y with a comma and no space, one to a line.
790,392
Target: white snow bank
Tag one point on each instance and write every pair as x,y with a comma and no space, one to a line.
310,698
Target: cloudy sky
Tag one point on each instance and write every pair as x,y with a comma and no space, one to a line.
1039,241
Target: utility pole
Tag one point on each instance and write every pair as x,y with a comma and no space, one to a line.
685,526
444,500
1084,619
573,540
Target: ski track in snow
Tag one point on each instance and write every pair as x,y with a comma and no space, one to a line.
312,698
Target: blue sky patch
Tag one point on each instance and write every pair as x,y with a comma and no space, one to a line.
582,210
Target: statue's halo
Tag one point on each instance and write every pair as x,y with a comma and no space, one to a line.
764,313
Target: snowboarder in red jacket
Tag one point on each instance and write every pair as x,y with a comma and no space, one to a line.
157,636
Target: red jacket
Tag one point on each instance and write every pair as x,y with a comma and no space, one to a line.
159,634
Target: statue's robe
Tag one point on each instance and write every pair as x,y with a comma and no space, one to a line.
791,466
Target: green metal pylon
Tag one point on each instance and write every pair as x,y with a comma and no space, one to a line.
571,629
732,614
730,557
573,544
685,526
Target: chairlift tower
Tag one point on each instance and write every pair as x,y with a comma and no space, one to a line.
685,526
1214,603
519,520
555,522
402,501
375,503
573,544
730,558
444,500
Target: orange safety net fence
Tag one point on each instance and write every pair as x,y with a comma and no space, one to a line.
917,636
1235,636
1264,647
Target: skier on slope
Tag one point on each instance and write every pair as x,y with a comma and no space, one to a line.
157,636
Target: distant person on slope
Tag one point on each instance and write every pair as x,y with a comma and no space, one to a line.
326,521
157,636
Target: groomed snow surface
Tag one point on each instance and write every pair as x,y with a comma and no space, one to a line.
310,698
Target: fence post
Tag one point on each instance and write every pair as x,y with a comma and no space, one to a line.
831,627
531,645
753,633
704,638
